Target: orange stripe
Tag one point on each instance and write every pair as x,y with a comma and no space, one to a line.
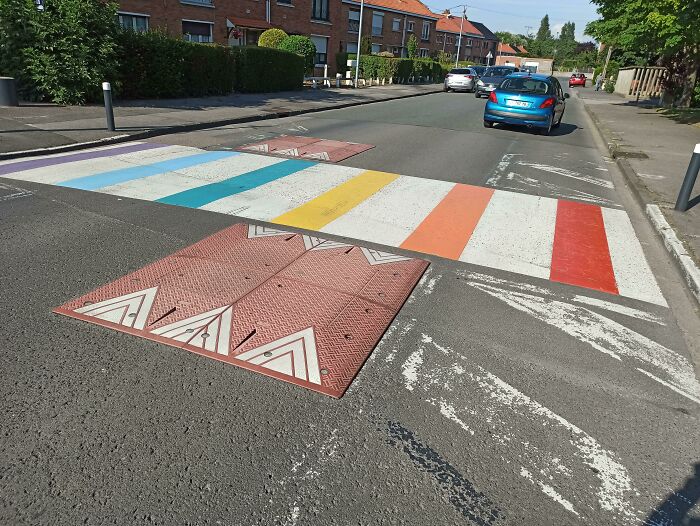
447,229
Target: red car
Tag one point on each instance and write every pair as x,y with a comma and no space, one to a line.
577,79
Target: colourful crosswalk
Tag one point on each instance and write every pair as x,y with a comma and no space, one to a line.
578,244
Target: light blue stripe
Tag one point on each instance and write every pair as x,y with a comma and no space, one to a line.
203,195
93,182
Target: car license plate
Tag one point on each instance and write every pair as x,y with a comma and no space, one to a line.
518,103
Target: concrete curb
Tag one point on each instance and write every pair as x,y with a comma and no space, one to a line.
184,128
684,262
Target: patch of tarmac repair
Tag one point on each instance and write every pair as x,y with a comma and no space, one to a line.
467,500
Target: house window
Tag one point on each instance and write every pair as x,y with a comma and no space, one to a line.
321,44
439,38
425,34
134,22
351,47
353,21
450,40
396,51
424,52
396,24
376,48
195,31
409,26
470,43
319,9
377,23
284,2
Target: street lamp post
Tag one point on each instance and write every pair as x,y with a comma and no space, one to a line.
459,42
359,42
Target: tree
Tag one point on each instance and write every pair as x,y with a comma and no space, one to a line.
412,46
544,33
65,50
663,31
366,45
272,38
512,39
566,44
300,45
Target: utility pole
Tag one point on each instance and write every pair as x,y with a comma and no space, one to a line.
461,25
359,42
607,60
528,31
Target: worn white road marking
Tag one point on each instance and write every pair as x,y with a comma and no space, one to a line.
569,173
549,491
620,309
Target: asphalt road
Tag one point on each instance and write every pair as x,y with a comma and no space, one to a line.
494,398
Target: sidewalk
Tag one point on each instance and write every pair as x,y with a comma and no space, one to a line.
35,126
653,152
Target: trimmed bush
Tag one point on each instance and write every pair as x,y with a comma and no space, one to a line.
400,69
262,69
302,46
153,65
272,38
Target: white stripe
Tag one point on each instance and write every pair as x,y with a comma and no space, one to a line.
389,216
169,183
72,170
515,233
282,195
697,148
633,276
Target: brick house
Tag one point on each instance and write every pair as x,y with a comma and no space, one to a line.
477,39
331,24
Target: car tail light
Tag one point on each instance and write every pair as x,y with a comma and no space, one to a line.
492,97
548,103
469,77
449,75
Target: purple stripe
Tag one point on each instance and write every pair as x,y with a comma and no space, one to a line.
91,154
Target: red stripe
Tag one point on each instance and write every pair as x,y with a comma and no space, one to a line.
580,255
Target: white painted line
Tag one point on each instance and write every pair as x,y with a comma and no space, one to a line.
569,173
620,309
515,233
670,386
633,276
687,266
87,167
282,195
389,216
162,185
697,148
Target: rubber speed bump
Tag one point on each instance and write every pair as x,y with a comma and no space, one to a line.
298,308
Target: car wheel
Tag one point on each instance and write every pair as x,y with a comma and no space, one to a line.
488,124
477,94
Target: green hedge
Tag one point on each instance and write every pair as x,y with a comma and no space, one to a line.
262,69
400,69
153,65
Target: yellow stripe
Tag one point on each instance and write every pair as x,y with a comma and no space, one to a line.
317,213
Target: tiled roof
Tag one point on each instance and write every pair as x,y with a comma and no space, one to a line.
415,7
484,31
506,48
451,24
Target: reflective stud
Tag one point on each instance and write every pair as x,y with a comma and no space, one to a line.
324,372
267,354
205,335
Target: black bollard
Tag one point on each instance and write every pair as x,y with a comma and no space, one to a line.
109,110
689,181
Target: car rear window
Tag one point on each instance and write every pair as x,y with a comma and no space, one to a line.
527,85
498,72
461,71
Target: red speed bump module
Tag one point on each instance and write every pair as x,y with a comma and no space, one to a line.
295,146
298,308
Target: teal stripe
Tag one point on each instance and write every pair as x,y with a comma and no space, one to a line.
93,182
196,197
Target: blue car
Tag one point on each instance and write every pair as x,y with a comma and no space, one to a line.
532,100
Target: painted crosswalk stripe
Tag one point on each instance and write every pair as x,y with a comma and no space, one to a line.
515,234
41,162
580,254
318,212
390,215
282,195
203,195
93,182
633,276
447,229
162,185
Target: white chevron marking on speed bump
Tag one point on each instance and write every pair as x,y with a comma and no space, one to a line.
262,231
210,331
294,355
130,310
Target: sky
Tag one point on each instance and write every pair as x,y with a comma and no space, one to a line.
515,15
